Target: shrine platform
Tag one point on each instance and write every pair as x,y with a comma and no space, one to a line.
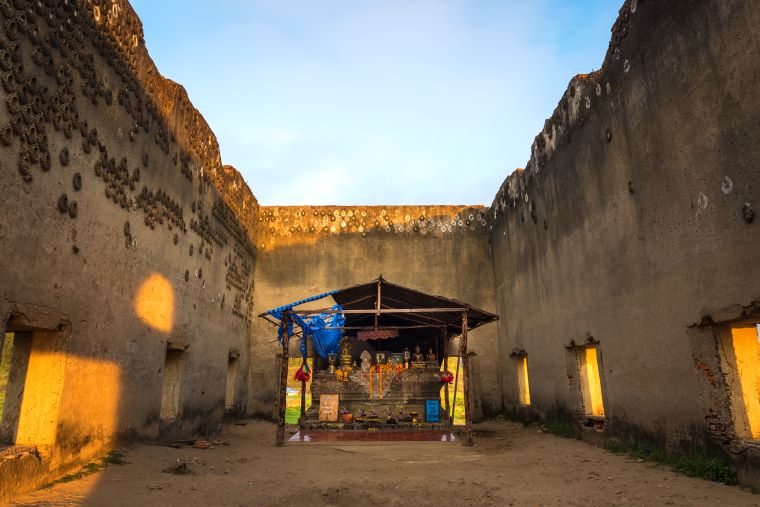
317,436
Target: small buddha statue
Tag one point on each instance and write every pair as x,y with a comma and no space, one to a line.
418,359
432,362
366,358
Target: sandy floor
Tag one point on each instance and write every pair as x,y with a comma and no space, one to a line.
511,466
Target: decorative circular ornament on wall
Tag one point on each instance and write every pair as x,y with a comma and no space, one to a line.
727,185
702,201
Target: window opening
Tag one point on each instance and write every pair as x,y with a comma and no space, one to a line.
590,381
523,384
740,362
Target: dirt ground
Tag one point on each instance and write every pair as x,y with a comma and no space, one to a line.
509,465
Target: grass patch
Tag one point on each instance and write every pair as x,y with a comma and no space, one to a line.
555,426
560,428
112,458
706,467
695,464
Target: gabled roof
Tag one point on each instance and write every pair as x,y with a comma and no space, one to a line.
443,314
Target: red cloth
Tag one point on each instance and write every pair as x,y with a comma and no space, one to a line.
303,376
447,377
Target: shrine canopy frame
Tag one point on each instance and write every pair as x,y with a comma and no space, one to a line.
380,304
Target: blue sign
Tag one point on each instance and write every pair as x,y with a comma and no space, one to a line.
432,408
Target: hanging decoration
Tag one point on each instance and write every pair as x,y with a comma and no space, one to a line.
303,374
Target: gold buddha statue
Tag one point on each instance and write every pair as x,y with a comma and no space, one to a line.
346,360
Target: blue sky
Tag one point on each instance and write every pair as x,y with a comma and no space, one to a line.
376,101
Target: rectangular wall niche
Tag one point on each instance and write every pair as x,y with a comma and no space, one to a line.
740,362
590,381
171,406
233,365
523,385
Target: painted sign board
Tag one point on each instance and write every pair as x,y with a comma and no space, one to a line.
432,408
328,407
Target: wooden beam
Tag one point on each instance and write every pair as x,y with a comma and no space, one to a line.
466,382
280,438
402,326
381,311
429,317
354,301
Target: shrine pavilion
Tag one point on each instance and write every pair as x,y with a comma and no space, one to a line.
380,359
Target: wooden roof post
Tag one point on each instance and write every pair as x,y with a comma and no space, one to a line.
447,406
302,419
466,381
377,303
280,440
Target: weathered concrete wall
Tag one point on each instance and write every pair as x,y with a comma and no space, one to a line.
303,251
634,219
113,235
122,234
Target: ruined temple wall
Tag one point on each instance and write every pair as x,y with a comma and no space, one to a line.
634,220
118,231
308,250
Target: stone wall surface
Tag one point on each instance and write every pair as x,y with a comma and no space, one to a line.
121,232
634,220
308,250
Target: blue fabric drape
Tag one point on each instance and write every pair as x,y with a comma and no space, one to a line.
320,327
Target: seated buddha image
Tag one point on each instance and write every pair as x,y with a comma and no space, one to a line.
346,361
431,359
345,346
418,359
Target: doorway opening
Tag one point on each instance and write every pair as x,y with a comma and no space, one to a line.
739,347
8,392
32,369
6,350
171,401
